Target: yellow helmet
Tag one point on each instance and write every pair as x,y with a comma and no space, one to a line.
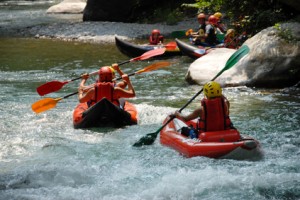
212,89
218,15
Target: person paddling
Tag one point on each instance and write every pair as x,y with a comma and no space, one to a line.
199,36
105,87
156,38
212,115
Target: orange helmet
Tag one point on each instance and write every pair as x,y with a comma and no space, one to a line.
155,31
201,16
212,19
106,74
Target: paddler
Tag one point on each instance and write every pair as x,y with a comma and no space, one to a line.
106,87
212,115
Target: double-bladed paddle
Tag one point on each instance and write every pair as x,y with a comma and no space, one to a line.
170,46
54,86
49,103
234,58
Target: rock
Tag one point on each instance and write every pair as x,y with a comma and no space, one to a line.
112,10
272,61
68,6
206,67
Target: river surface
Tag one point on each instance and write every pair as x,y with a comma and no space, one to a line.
44,157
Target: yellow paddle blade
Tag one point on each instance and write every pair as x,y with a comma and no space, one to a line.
154,67
44,104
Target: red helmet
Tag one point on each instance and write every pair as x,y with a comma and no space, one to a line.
106,74
212,19
201,16
155,31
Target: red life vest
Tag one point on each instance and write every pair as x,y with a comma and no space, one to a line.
155,41
104,90
214,115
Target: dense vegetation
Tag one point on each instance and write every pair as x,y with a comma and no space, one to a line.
251,16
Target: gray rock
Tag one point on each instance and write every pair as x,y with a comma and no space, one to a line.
272,61
68,6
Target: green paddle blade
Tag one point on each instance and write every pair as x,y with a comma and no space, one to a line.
234,58
147,139
178,34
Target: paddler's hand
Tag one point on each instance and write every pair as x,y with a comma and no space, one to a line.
85,76
125,78
176,114
115,66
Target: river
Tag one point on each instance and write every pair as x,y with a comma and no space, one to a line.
44,157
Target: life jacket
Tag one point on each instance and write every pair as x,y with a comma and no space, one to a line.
211,35
155,41
214,115
104,90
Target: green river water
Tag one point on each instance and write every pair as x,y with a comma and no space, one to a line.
44,157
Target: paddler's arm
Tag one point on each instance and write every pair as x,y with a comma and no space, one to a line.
195,114
84,93
121,84
121,93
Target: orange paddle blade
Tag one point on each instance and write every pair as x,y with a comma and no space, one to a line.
49,87
154,67
171,45
149,54
44,104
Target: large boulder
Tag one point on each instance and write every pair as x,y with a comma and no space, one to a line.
126,10
68,6
112,10
272,61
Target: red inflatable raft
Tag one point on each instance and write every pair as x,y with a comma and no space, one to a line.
221,144
104,114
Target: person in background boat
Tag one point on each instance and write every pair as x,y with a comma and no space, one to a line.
220,28
199,36
211,32
220,25
231,40
156,38
212,115
106,87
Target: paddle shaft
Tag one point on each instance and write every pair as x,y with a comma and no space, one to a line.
57,85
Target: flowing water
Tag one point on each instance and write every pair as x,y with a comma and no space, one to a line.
44,157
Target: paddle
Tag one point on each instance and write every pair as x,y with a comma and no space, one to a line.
150,137
49,103
54,86
178,34
171,46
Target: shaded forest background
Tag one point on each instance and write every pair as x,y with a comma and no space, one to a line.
251,16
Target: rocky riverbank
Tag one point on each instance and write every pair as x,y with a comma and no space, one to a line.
100,32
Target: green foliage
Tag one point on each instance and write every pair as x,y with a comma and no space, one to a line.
167,15
206,5
251,16
285,34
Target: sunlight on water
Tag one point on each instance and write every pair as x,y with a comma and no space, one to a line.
44,157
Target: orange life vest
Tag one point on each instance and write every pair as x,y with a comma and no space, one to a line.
104,90
214,115
155,41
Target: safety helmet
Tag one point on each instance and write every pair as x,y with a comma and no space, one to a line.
212,19
106,74
212,89
218,15
201,16
155,31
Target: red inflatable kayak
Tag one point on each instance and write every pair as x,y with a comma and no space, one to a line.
104,114
220,144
